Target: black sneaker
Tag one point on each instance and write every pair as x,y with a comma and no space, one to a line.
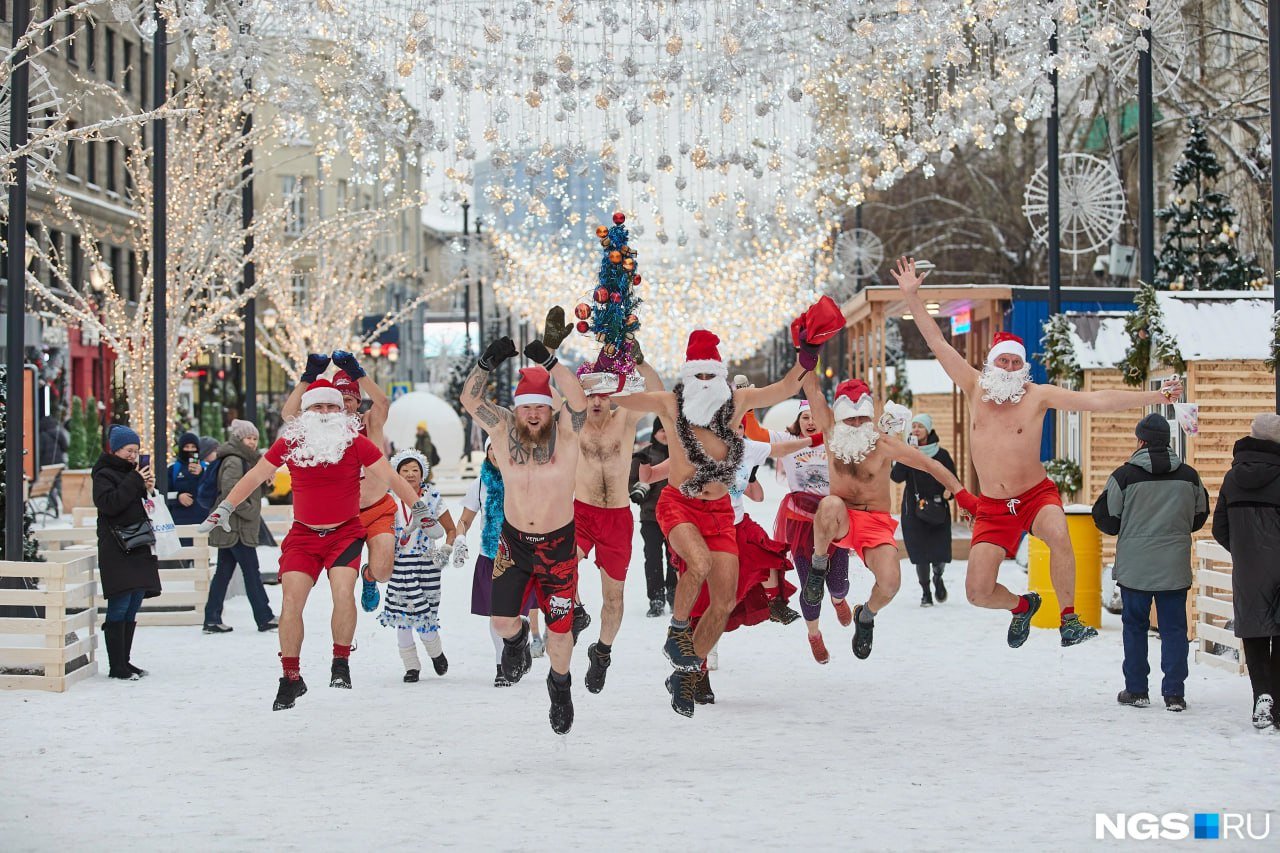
581,621
1133,700
939,589
1020,625
679,650
561,713
1074,632
218,629
273,625
500,680
702,694
780,612
516,658
290,690
410,676
597,669
680,686
440,663
340,673
656,608
862,634
926,600
1175,703
814,584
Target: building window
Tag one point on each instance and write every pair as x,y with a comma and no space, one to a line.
128,173
113,156
126,47
77,262
109,55
135,280
144,68
342,194
91,162
73,150
294,191
115,260
50,9
90,39
71,23
299,285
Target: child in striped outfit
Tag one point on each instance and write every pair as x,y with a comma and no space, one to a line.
412,602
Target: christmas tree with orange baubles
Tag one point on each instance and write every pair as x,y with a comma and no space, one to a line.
611,315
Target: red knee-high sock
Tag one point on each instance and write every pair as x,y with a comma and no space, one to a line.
292,668
340,651
1068,611
1022,606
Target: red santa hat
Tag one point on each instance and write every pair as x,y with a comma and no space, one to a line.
534,387
853,400
321,391
702,355
1006,343
346,386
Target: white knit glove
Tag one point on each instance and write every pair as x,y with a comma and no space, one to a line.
443,550
220,517
895,418
459,553
422,516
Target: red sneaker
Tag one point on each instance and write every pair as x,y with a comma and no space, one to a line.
819,648
843,613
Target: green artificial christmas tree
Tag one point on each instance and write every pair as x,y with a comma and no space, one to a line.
78,446
1199,250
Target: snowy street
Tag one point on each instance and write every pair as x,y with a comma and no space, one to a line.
945,738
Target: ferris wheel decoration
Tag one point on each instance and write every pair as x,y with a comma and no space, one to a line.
44,113
1168,38
1090,205
859,253
473,255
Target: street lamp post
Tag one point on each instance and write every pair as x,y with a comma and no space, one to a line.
270,318
99,282
19,80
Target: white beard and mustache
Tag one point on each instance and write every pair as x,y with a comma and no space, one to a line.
317,438
703,398
852,444
1004,386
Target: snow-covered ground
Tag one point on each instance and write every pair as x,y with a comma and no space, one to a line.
945,738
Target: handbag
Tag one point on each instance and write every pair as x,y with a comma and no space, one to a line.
931,511
131,537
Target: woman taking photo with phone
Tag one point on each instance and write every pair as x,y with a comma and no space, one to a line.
126,560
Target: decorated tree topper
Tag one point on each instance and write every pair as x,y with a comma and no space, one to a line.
611,315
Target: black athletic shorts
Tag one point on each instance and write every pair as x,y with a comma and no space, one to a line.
547,563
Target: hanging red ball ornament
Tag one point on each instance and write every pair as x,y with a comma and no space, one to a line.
615,298
602,294
619,218
583,311
602,231
583,326
636,279
615,257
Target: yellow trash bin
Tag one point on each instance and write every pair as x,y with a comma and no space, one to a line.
1087,544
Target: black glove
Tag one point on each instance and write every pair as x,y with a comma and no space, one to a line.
537,352
555,330
317,363
346,361
496,353
639,492
752,478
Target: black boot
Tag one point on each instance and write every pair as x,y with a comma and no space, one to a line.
440,664
681,687
113,639
656,608
922,575
516,657
581,621
290,690
939,590
129,628
561,713
702,694
597,669
340,673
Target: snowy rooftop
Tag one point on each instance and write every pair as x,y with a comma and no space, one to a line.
926,376
1099,339
1218,325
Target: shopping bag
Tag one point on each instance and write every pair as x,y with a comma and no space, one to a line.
167,542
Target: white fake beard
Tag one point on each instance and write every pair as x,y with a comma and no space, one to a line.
317,438
702,399
1003,386
851,444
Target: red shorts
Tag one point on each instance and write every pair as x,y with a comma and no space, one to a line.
757,555
310,551
867,530
609,532
379,517
1002,521
714,519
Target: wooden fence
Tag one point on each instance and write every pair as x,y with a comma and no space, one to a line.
1213,609
38,652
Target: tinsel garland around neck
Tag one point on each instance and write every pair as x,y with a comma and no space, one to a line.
705,469
494,491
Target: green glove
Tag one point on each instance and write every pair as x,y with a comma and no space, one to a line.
556,329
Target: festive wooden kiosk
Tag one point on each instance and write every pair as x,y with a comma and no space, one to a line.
1223,339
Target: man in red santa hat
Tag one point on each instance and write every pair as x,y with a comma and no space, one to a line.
1007,412
855,515
324,452
695,511
377,509
536,449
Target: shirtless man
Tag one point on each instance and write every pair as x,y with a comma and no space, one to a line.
377,509
602,509
1007,412
325,453
537,452
856,514
695,511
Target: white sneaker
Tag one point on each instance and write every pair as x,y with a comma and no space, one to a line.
1262,718
537,646
713,657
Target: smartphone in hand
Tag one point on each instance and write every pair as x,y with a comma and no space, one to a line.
144,461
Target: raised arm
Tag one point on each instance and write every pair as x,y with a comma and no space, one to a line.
785,448
819,409
491,417
1066,400
543,352
317,363
961,372
902,452
652,382
770,395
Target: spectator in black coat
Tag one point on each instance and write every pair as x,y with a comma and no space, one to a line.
119,489
184,480
659,576
928,540
1246,522
54,441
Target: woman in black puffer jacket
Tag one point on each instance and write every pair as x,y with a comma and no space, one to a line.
119,488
